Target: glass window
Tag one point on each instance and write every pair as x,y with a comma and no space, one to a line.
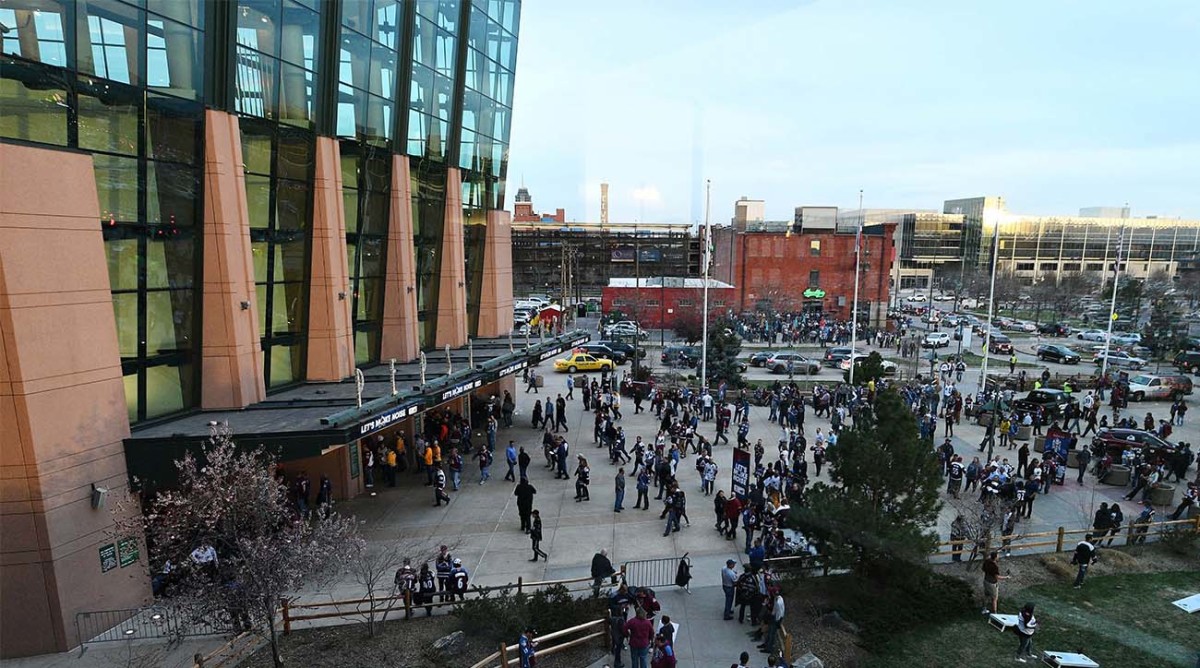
173,57
39,35
108,123
814,247
173,129
168,321
117,186
168,389
122,262
169,261
111,46
814,278
33,100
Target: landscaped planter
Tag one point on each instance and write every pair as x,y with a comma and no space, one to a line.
1117,475
1162,495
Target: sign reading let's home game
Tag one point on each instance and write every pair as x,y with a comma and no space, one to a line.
741,473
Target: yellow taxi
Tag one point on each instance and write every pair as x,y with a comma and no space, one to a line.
582,362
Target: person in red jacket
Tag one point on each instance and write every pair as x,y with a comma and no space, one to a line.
640,631
733,510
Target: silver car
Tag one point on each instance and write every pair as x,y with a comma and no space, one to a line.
1120,360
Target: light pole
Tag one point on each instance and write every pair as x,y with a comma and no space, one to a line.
987,338
857,268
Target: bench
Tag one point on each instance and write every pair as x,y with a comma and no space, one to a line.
1002,623
1067,660
1189,605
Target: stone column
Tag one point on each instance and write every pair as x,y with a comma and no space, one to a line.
231,359
330,332
63,413
399,334
452,290
496,297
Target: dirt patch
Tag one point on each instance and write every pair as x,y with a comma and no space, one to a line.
836,647
399,644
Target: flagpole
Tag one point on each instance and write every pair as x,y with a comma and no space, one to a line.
862,218
704,313
1112,307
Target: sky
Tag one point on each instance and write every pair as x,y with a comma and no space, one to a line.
1052,104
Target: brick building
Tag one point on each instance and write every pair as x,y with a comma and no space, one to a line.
523,210
661,301
804,264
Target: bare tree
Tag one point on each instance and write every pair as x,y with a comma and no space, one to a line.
982,522
231,543
1188,287
1072,286
375,567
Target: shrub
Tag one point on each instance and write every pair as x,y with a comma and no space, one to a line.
501,615
1057,565
1180,540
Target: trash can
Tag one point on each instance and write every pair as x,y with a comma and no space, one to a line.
1072,459
1039,443
1024,432
581,310
1162,495
984,419
1118,475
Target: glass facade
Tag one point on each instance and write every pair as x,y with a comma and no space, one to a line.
129,81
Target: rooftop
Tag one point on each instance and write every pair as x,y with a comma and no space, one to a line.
665,281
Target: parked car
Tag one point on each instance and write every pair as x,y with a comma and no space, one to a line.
625,347
1120,359
1117,441
782,361
1027,327
932,318
889,367
1092,335
1000,344
1056,353
936,340
1126,338
1188,360
1054,329
678,356
1159,387
969,302
603,352
918,297
838,353
582,362
759,359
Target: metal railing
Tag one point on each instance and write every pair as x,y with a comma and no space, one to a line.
161,620
652,572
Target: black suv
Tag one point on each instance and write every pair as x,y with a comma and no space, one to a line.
1057,353
602,351
1188,360
680,356
627,348
1054,329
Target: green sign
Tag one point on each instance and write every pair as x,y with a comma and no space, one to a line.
108,557
354,461
127,549
814,293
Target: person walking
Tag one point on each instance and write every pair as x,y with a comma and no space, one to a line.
1085,555
643,490
729,579
524,493
1027,625
619,490
560,414
1083,456
535,537
602,568
510,458
583,476
523,460
439,488
1189,499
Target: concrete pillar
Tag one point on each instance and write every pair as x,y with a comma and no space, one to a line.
452,290
330,332
399,339
496,297
231,359
62,405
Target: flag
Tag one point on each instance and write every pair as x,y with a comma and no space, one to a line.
709,249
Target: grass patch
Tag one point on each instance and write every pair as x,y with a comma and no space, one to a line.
1122,620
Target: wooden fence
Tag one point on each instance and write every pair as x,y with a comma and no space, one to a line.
586,632
1133,534
382,606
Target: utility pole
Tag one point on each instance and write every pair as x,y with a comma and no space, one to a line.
707,259
1112,308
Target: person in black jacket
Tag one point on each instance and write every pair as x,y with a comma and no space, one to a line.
601,568
535,536
1085,555
524,493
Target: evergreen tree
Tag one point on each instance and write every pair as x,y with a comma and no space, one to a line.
866,369
724,346
883,498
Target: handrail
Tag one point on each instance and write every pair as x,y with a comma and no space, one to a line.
1059,534
404,601
502,653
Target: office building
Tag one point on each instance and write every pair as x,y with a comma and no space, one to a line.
224,210
958,242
